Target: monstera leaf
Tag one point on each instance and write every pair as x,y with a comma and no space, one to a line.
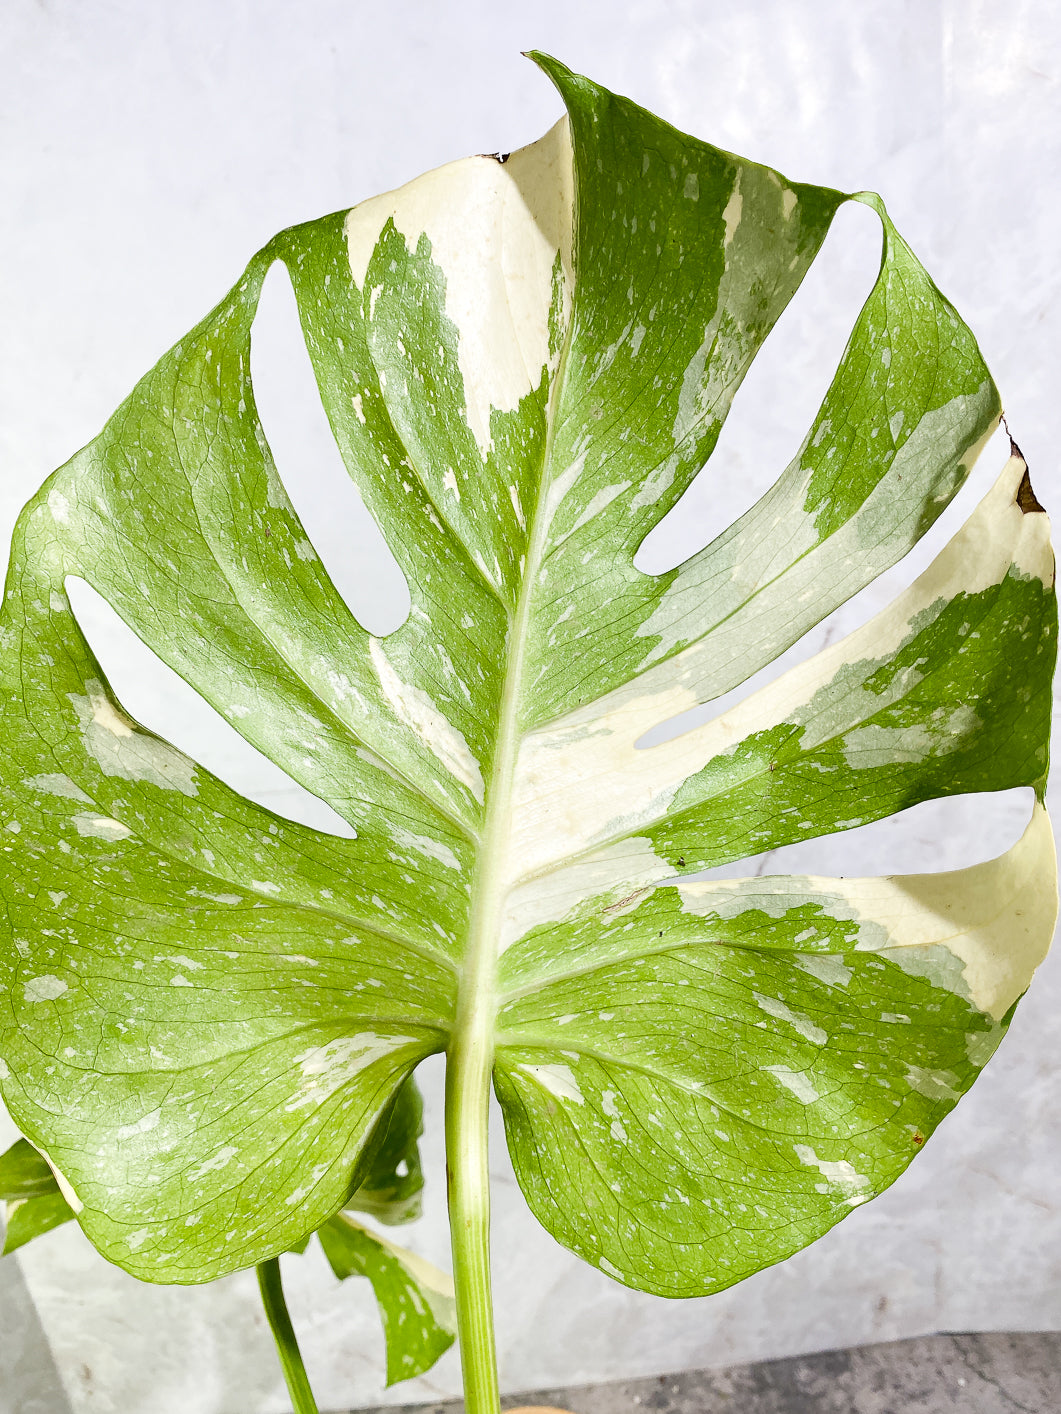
525,361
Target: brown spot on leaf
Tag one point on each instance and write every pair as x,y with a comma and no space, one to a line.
1014,450
918,1137
625,902
1026,497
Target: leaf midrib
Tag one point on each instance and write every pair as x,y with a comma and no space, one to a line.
477,990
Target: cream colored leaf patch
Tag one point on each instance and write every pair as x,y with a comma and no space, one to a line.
495,231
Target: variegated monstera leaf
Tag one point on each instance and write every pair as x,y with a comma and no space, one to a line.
206,1008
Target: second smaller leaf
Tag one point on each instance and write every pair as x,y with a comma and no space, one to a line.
33,1204
415,1298
391,1189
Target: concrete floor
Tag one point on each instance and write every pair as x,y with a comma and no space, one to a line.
941,1374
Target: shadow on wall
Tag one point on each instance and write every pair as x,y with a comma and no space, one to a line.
29,1380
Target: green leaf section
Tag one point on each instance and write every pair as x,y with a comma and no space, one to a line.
24,1173
712,248
390,1191
885,733
725,1070
415,1299
27,1218
33,1204
209,1015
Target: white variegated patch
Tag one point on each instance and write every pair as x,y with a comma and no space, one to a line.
494,230
618,877
415,708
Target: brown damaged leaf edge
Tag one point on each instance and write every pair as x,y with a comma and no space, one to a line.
1026,497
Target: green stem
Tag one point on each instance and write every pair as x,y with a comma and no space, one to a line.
470,1058
467,1167
284,1334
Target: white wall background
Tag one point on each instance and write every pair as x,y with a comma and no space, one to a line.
148,148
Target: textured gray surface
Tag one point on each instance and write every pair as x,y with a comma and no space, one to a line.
939,1374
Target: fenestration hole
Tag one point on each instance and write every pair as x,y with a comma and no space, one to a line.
158,698
954,832
350,544
780,396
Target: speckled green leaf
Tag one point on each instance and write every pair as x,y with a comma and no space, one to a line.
415,1299
207,1011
